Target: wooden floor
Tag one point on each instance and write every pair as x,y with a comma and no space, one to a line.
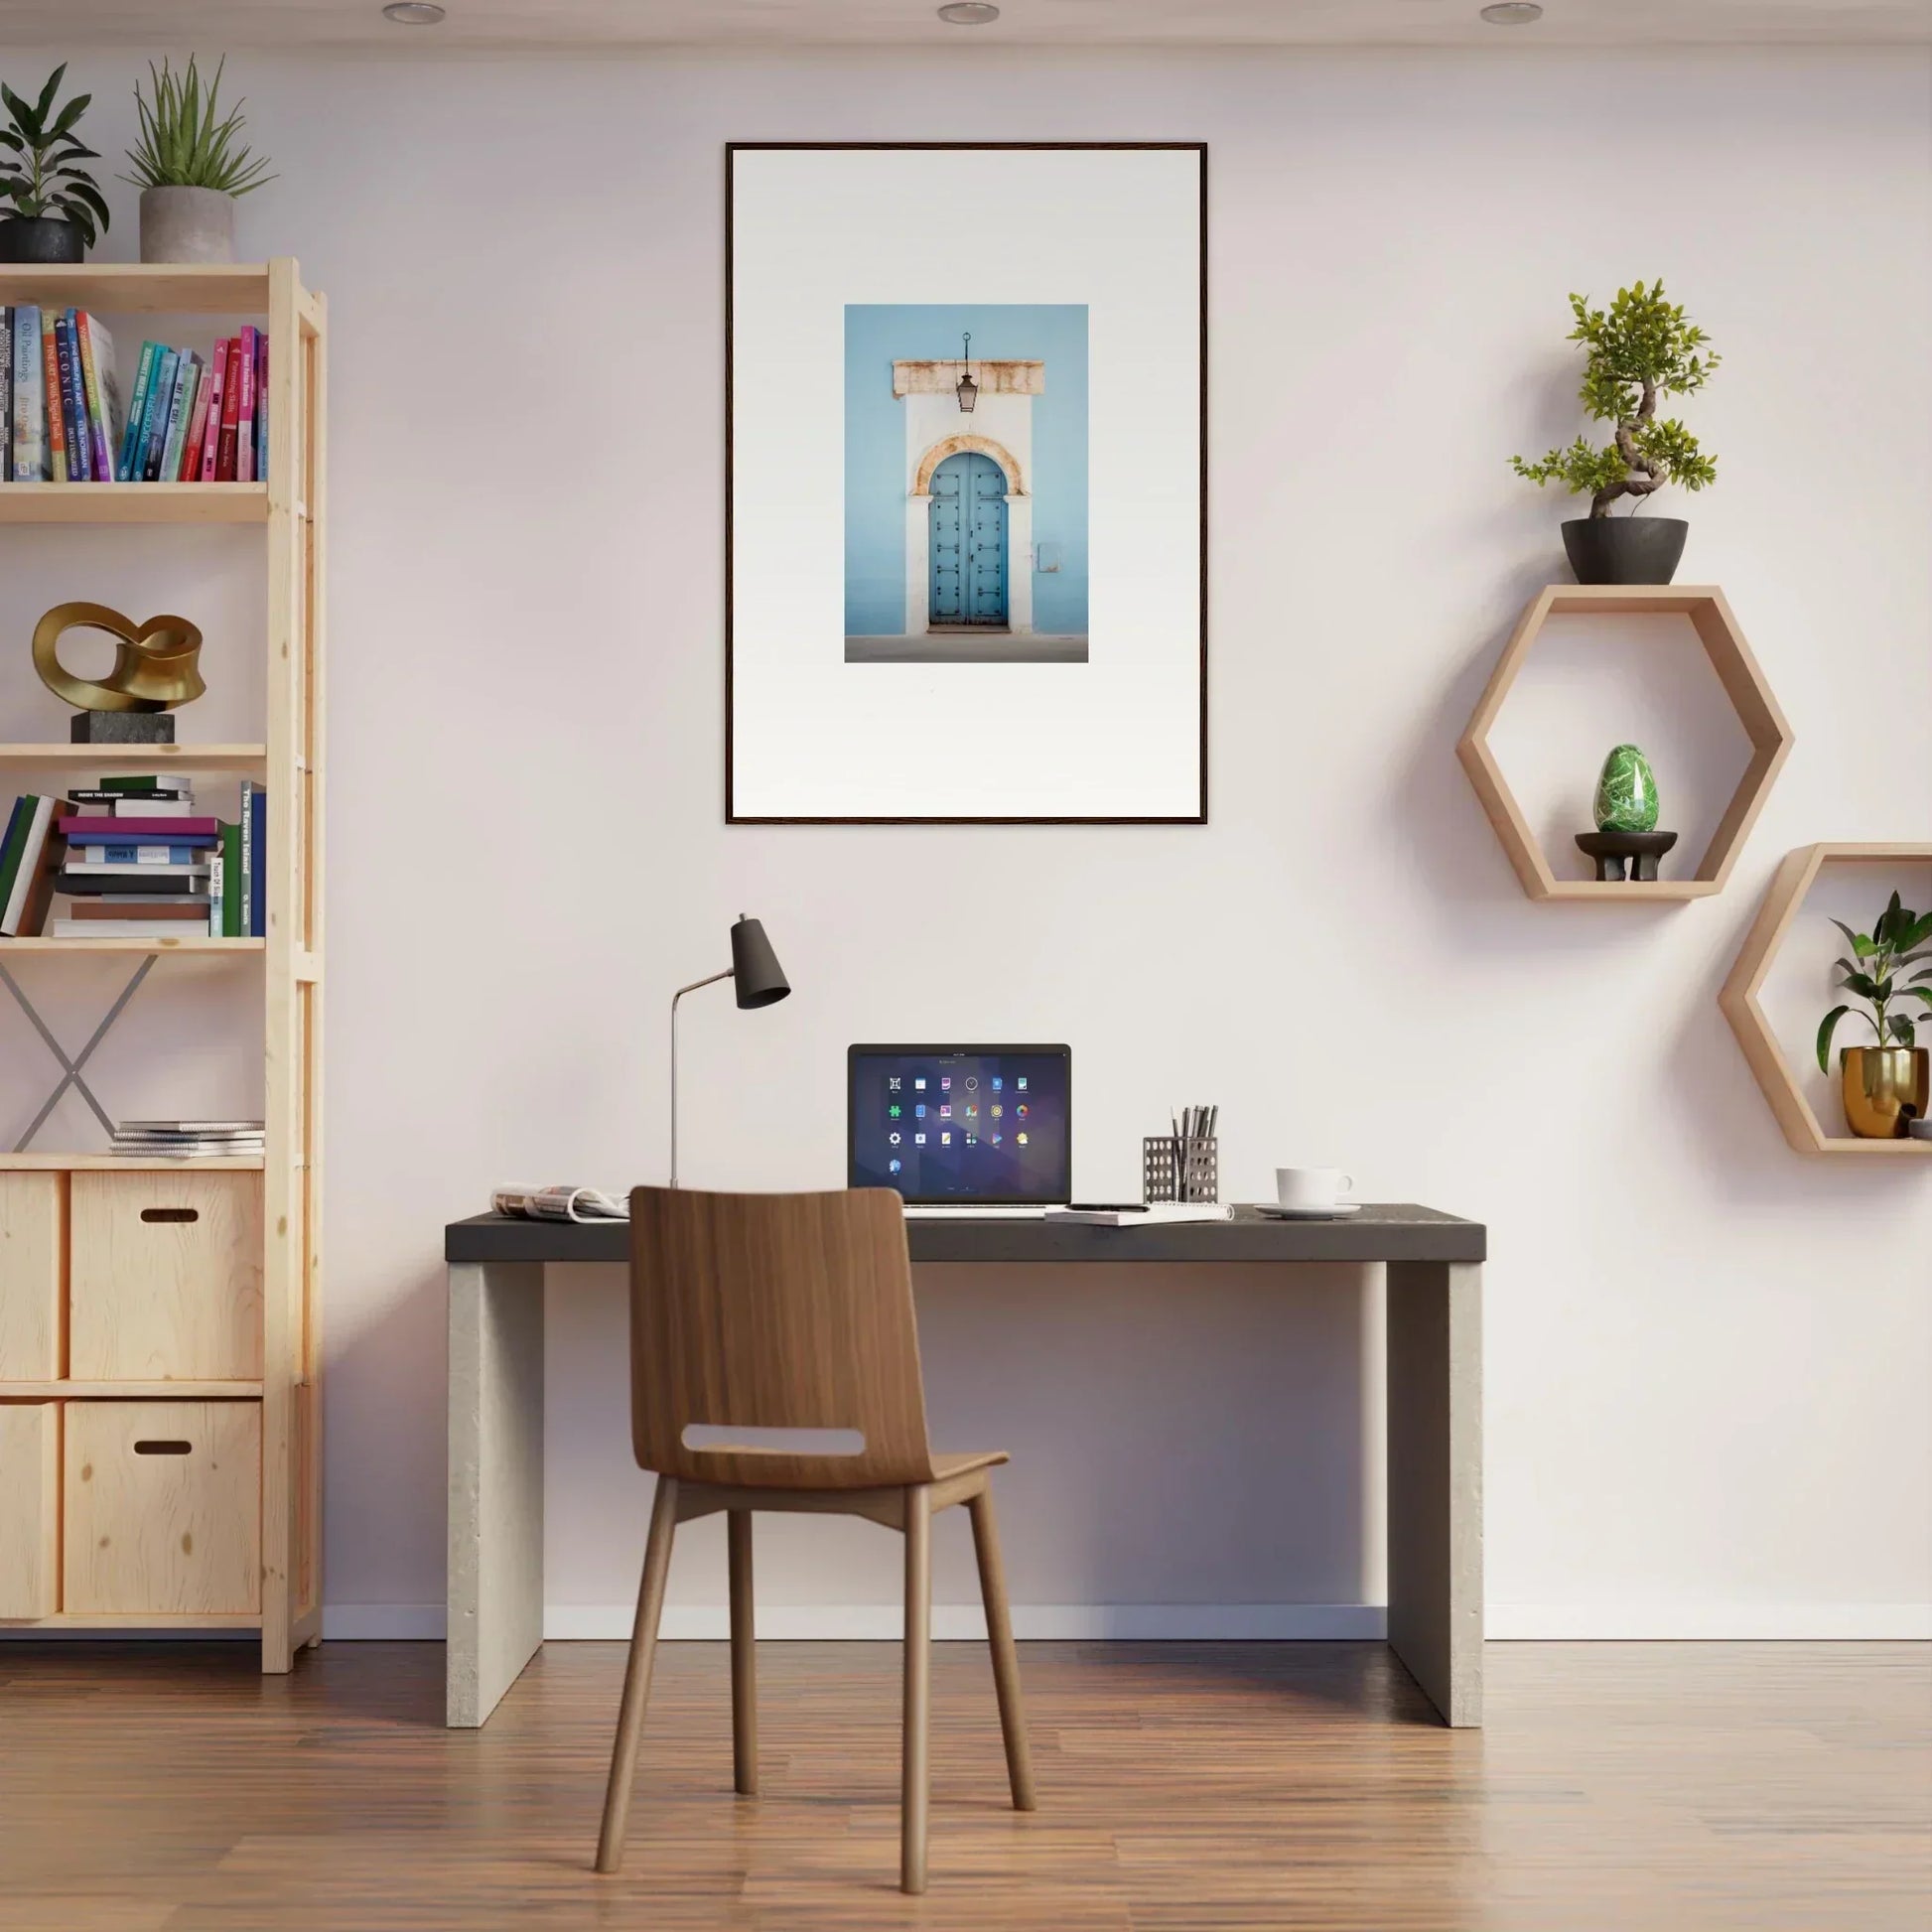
1695,1787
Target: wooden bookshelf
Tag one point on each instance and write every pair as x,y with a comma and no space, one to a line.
134,502
288,509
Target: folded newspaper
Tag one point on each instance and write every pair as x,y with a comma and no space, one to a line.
559,1204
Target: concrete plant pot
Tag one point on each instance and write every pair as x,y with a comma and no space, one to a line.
187,225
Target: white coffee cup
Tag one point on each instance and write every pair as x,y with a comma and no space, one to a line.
1312,1187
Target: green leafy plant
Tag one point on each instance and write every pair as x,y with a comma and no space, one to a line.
186,141
1898,939
38,152
1640,350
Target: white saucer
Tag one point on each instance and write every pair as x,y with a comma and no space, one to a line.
1273,1212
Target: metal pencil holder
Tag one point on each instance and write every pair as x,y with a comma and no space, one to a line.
1179,1170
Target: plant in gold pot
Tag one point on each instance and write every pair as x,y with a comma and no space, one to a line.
1888,1084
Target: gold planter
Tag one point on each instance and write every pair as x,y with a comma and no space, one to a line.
1883,1088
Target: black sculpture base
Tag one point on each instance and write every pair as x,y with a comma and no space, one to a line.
1612,850
122,727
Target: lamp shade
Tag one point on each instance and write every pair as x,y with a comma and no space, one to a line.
757,977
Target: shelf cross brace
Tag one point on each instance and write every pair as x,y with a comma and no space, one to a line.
72,1076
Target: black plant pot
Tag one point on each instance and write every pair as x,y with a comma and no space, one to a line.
40,238
1624,549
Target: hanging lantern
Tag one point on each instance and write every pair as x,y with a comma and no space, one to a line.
969,390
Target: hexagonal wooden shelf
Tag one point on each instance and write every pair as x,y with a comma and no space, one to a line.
1744,684
1738,999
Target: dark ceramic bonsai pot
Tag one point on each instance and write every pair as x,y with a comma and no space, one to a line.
40,238
1624,549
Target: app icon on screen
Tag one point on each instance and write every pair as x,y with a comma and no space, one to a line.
892,1083
946,1083
919,1082
972,1080
918,1110
918,1139
894,1167
971,1142
996,1110
1021,1110
1020,1085
997,1083
893,1137
996,1140
892,1110
945,1140
1021,1138
945,1112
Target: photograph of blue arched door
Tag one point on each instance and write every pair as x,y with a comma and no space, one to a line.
968,572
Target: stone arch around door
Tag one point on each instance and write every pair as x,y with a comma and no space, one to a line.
1019,533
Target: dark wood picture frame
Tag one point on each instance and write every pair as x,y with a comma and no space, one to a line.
731,149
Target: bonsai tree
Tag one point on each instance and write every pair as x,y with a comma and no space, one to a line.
1640,350
1897,940
186,141
38,152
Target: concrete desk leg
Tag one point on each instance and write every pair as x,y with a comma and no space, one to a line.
496,1582
1435,1328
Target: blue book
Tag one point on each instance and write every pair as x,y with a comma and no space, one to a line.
73,402
161,393
257,868
136,413
130,855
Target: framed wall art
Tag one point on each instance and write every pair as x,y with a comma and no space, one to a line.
966,510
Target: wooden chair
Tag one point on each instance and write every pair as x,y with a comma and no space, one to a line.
766,1311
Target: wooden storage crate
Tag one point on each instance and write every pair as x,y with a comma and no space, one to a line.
30,1508
166,1277
33,1267
162,1507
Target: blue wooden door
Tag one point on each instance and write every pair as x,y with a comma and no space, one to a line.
968,564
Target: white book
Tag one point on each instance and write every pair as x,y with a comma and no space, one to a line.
135,928
1160,1214
145,868
153,808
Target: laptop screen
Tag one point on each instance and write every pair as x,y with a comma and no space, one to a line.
962,1125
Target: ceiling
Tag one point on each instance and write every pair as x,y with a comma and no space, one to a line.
1066,23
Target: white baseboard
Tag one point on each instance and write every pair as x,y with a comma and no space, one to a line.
1707,1622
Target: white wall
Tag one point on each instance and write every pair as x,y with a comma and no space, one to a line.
1706,1358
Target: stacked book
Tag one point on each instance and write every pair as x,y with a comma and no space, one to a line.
188,1140
187,419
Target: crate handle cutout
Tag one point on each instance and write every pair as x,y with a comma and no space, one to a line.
773,1441
170,1213
153,1447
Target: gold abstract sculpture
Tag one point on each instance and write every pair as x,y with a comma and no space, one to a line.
154,662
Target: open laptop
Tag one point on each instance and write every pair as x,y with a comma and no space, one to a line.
962,1130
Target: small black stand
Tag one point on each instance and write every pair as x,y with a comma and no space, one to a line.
122,727
1612,850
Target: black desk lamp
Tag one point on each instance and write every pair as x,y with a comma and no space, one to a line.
759,981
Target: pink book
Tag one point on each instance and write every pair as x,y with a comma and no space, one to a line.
217,369
191,443
136,831
244,442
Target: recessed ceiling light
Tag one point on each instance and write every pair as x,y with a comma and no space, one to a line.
1512,13
969,13
414,13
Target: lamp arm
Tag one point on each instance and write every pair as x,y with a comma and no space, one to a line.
675,998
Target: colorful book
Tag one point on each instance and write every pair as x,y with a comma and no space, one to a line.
32,880
6,395
261,406
139,908
137,405
56,422
177,831
257,864
154,418
229,872
30,403
190,465
143,855
133,881
230,415
249,860
244,455
179,410
74,408
103,392
217,369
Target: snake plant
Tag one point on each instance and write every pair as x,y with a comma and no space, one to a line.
38,152
185,141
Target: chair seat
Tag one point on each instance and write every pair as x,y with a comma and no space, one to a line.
964,1462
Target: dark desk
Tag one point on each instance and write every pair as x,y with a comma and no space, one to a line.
1435,1405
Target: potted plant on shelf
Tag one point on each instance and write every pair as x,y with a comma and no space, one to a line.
1638,351
55,208
1884,1086
187,167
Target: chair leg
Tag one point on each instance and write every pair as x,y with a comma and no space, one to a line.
918,1688
1006,1660
745,1669
636,1676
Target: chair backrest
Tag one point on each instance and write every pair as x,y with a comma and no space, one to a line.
775,1312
